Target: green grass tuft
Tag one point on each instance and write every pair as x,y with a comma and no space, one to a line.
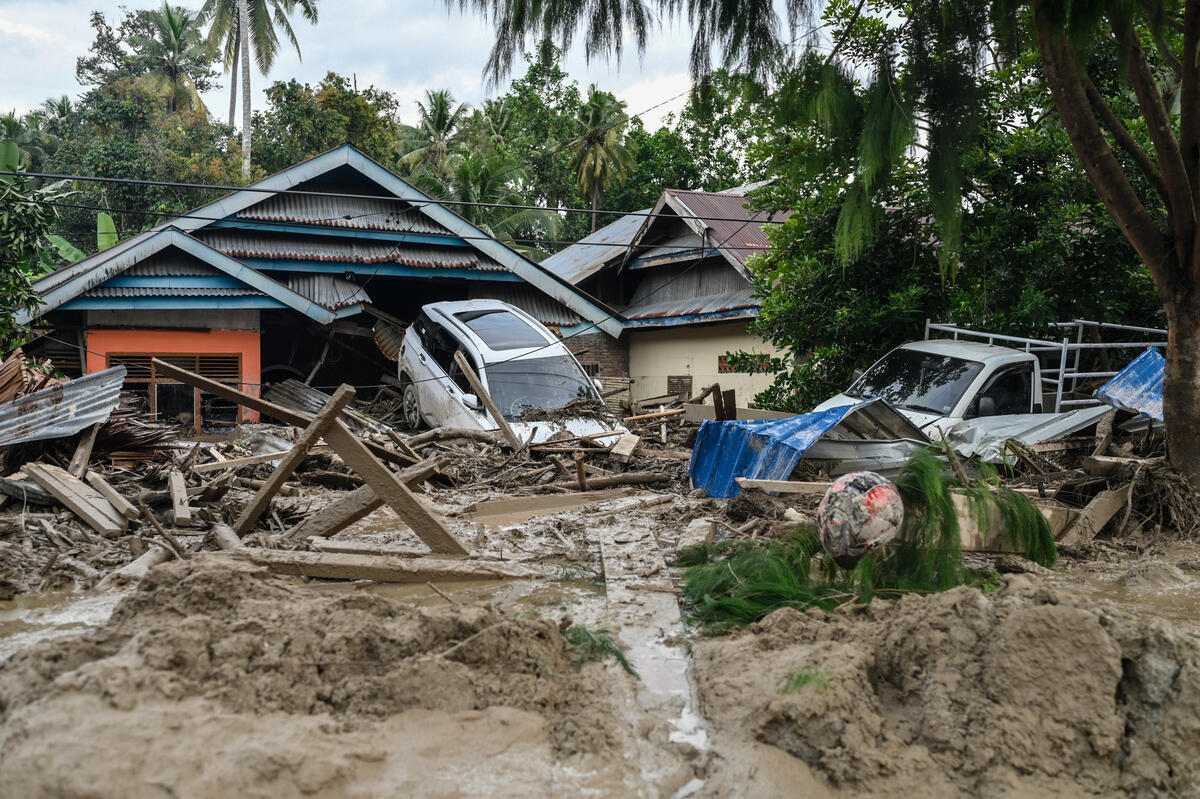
596,644
803,678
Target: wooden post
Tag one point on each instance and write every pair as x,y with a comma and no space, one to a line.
580,473
292,458
83,452
285,415
181,512
487,401
718,403
729,400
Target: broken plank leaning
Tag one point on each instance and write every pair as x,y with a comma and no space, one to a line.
354,453
83,500
122,505
486,399
181,512
292,458
83,452
626,444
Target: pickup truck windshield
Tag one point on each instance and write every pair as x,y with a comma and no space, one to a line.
547,383
920,381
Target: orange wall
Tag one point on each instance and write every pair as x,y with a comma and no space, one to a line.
178,342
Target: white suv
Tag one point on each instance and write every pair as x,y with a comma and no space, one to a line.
521,363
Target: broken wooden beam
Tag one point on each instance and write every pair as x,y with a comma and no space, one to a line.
454,434
1107,465
385,569
181,512
292,459
249,460
581,480
136,569
83,451
225,537
626,444
84,501
486,398
122,505
363,548
545,503
656,415
286,415
783,486
671,454
1095,515
627,479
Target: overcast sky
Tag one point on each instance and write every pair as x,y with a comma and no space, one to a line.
403,46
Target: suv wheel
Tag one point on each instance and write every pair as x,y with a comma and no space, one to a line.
411,407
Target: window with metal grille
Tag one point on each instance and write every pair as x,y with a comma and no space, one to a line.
679,385
591,369
170,399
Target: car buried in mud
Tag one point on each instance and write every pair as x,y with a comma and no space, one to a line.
520,363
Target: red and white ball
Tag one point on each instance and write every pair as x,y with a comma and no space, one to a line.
859,513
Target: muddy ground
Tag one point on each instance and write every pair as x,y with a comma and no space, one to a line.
213,678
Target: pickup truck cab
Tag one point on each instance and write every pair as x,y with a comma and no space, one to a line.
938,383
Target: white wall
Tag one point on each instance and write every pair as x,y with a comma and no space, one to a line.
656,354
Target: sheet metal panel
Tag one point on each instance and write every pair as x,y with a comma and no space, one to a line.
738,239
361,213
690,306
172,291
769,449
986,437
329,291
351,251
1139,386
587,256
63,409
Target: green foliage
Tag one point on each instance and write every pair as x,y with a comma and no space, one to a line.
430,142
741,583
106,231
597,644
601,154
800,679
175,59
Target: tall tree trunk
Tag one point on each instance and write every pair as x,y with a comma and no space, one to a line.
595,207
244,46
1181,386
233,80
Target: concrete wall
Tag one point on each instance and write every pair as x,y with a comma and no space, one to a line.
694,350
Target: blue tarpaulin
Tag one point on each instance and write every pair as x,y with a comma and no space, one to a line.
1139,386
769,449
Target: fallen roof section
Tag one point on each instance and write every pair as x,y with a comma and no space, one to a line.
1139,386
62,409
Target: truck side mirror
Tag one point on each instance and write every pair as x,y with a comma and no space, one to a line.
987,406
472,402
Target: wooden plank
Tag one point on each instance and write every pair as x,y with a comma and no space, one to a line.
542,502
486,399
122,505
656,415
286,415
83,500
783,486
83,452
1107,466
1095,515
699,413
729,402
671,454
181,512
292,459
249,460
385,569
363,548
357,504
626,444
627,479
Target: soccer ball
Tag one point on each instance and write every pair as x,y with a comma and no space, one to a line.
859,513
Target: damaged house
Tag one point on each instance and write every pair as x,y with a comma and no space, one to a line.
678,274
300,275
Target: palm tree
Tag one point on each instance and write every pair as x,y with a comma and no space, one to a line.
171,56
264,19
601,155
429,143
25,132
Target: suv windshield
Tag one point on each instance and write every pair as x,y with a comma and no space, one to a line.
921,381
547,383
501,330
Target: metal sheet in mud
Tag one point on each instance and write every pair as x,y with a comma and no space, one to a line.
61,410
986,437
769,449
1139,386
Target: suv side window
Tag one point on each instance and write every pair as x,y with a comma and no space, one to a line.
442,346
422,327
1011,391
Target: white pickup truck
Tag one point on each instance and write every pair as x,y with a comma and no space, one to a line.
937,384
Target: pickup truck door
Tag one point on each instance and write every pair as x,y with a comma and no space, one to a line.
1009,391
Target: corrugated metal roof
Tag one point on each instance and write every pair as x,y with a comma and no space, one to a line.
584,258
691,306
62,409
171,264
737,238
332,250
545,309
331,291
389,337
769,449
299,397
363,213
1139,386
171,291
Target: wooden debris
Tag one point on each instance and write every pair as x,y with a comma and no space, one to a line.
698,531
287,489
363,548
623,449
317,428
546,503
580,472
671,454
1095,515
83,451
84,501
1107,465
454,434
402,444
442,593
486,398
181,512
122,505
136,569
783,486
225,537
249,460
627,479
383,569
169,541
656,415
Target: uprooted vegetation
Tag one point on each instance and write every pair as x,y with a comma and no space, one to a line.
741,581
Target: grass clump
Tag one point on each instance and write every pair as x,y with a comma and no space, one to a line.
596,644
736,585
803,678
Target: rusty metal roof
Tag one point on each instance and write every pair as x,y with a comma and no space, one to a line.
736,239
363,213
239,244
331,291
63,409
389,338
587,256
172,291
690,310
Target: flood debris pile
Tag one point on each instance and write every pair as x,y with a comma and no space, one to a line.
1025,691
301,690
